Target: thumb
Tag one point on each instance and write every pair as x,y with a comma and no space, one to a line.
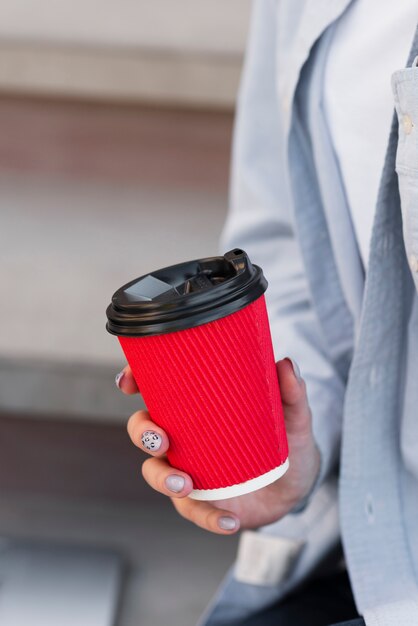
296,409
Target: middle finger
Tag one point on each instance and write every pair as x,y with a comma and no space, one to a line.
145,434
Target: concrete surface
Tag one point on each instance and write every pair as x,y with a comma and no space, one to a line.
172,568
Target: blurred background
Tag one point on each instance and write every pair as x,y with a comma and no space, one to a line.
115,131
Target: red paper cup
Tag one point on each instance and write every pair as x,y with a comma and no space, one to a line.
211,385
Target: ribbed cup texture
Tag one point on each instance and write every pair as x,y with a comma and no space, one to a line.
214,390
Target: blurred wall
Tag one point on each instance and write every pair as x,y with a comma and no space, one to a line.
114,157
188,51
115,130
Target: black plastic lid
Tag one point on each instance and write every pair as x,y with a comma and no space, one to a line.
185,295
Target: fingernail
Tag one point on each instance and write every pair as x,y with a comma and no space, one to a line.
118,378
175,483
296,369
227,523
151,440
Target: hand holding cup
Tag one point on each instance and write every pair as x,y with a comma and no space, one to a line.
247,511
197,340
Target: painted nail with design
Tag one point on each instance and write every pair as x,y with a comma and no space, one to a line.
151,440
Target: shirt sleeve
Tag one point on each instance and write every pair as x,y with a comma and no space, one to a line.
260,221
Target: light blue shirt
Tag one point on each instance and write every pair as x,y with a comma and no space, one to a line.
355,336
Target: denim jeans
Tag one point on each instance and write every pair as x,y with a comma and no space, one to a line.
323,601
